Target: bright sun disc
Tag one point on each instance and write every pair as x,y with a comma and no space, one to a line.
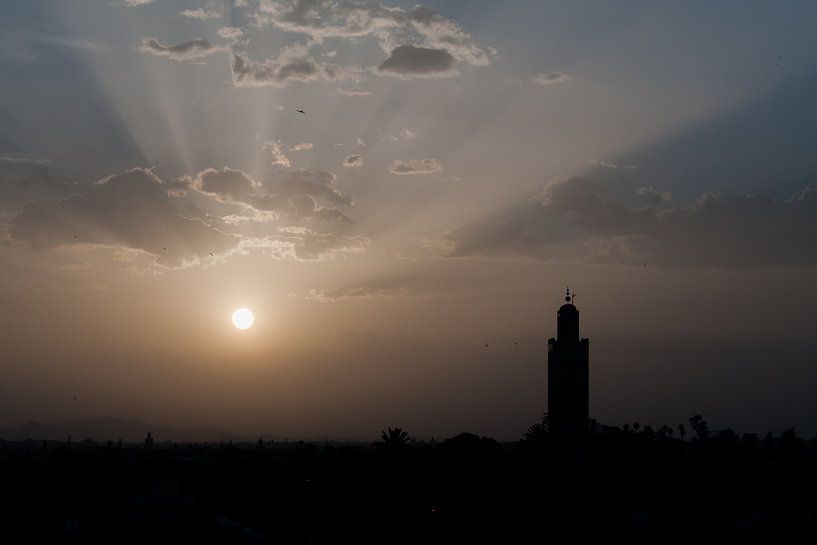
243,318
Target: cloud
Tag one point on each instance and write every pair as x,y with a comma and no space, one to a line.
353,161
408,61
299,196
306,245
24,158
575,219
580,207
653,196
296,217
415,166
278,156
194,49
24,178
231,33
608,164
317,183
405,134
390,26
201,14
736,232
131,210
357,292
293,64
353,92
420,43
303,146
509,238
551,78
134,3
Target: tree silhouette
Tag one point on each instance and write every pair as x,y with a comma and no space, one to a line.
539,430
682,431
699,426
535,431
395,438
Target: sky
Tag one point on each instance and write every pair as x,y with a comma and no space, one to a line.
456,166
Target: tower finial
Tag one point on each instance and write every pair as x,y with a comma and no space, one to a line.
567,295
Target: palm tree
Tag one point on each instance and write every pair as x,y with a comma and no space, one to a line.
536,431
395,438
539,430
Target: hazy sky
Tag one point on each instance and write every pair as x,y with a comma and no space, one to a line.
458,164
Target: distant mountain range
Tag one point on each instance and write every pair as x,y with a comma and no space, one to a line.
131,431
109,427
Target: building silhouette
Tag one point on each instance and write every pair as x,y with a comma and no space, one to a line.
568,379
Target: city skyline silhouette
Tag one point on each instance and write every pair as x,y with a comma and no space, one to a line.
297,271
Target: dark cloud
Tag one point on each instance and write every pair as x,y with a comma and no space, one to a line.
437,43
316,183
294,64
132,210
298,195
551,78
510,237
415,166
138,211
353,161
194,49
581,206
408,61
576,219
25,178
743,232
652,196
391,26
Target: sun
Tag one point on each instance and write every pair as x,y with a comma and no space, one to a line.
243,318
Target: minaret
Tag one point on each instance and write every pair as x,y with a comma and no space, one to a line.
568,378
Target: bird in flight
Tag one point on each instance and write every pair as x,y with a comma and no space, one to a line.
301,112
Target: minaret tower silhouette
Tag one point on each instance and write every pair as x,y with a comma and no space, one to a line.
568,378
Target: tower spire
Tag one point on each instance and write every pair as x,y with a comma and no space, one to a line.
567,294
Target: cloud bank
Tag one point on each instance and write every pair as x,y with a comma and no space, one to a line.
576,220
186,51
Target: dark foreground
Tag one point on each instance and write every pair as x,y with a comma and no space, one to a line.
631,487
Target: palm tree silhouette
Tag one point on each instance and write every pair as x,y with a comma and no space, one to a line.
540,429
395,438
